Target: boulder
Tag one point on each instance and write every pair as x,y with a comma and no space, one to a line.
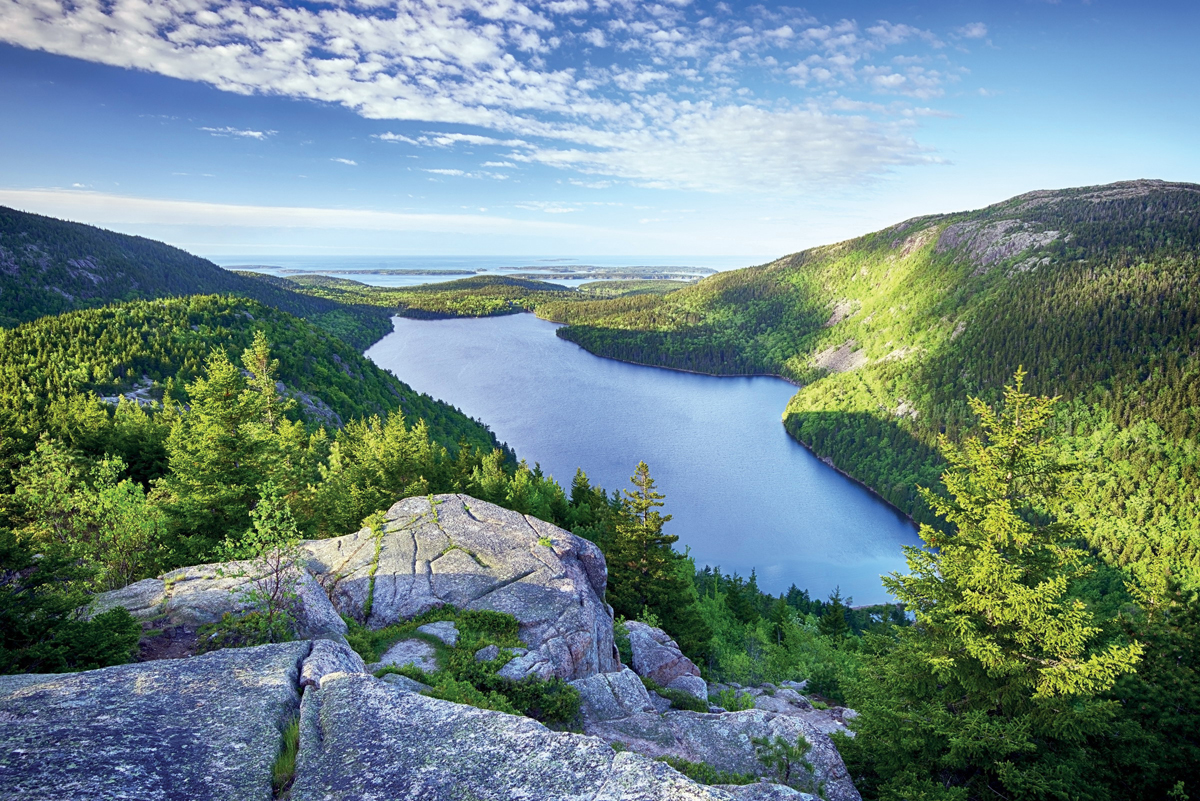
417,653
361,738
444,630
193,596
188,729
327,657
724,741
692,685
608,696
475,555
487,653
656,656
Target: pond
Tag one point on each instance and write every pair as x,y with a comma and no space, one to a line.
743,494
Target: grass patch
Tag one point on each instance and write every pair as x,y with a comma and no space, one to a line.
733,701
678,698
284,769
460,677
703,773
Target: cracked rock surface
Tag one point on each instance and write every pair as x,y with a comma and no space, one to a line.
193,729
475,555
656,656
194,596
361,739
723,740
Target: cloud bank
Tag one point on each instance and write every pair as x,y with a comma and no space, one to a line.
665,95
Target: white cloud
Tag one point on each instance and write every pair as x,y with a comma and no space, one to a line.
651,109
729,148
98,208
974,30
498,164
231,131
350,162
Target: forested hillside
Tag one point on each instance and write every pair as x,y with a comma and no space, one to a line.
153,349
1096,291
50,266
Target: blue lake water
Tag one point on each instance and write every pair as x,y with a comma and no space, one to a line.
744,495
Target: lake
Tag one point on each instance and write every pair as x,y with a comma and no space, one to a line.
744,495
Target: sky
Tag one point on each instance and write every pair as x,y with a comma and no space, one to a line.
576,127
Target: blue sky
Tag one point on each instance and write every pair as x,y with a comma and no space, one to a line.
576,127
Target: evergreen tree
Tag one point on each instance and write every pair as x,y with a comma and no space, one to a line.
833,622
646,575
995,691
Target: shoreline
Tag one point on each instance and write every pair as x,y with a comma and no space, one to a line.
827,461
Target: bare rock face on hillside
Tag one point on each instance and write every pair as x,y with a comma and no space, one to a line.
363,738
201,728
454,549
449,549
656,656
724,740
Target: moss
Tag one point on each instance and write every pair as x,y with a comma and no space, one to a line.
463,679
704,773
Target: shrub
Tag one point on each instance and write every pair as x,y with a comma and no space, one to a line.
678,698
732,700
243,631
704,773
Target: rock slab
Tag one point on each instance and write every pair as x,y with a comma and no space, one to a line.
724,741
610,696
198,729
454,549
656,656
361,739
193,596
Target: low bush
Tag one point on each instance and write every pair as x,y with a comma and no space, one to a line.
678,698
703,773
243,631
732,700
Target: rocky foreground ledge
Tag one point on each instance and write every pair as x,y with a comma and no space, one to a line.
212,726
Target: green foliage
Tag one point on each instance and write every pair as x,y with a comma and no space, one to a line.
463,679
243,631
786,761
621,638
998,687
731,700
284,769
41,628
703,773
647,577
678,698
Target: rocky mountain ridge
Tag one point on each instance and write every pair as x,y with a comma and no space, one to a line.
210,726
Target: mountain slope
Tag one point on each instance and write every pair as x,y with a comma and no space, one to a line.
1095,291
49,266
156,347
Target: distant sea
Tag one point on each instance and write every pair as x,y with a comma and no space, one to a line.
366,268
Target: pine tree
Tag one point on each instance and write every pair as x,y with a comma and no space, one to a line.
833,623
994,692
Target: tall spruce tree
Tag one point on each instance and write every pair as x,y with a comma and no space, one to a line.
646,576
995,692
